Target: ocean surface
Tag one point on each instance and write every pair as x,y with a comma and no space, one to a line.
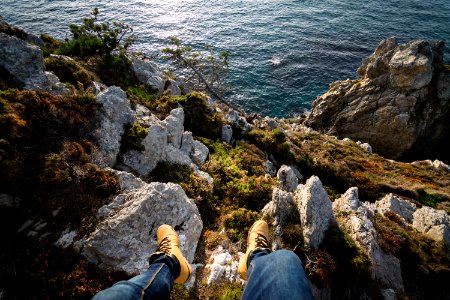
283,53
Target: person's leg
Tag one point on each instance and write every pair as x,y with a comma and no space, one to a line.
276,275
155,283
167,265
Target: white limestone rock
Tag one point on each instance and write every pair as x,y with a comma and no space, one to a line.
385,266
281,208
66,239
149,74
56,86
97,87
24,62
365,146
173,88
200,153
348,201
222,265
155,144
174,124
440,166
315,210
392,203
187,143
178,157
270,168
434,223
114,113
125,238
388,294
227,133
287,178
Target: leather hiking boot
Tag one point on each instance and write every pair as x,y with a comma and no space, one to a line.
257,239
168,244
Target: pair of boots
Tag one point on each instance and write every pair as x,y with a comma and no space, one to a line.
168,244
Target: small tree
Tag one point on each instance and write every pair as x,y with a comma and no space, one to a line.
203,71
93,37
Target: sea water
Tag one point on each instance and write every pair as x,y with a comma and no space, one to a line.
283,53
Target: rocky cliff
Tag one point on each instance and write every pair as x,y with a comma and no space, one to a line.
400,106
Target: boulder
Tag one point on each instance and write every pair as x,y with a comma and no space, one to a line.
238,121
315,210
113,114
124,239
166,141
270,168
355,220
155,144
287,178
199,153
174,124
149,74
24,62
173,88
348,201
227,133
434,223
281,208
391,203
400,106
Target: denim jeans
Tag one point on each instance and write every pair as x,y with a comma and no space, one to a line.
155,283
276,275
271,275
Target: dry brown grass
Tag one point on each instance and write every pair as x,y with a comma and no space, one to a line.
344,164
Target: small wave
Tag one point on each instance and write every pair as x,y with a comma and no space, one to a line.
275,61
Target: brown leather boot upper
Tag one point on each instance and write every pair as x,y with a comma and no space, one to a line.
168,243
257,239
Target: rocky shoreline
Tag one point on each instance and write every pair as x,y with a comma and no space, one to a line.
360,222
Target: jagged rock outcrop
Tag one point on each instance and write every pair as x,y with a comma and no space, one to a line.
315,210
392,203
24,62
227,133
124,238
434,223
400,106
238,121
287,178
355,220
148,74
113,114
166,141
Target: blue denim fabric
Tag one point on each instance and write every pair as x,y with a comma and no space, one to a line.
155,283
276,275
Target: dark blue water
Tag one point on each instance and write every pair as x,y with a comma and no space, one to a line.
283,53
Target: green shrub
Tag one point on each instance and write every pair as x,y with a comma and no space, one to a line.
50,46
69,71
134,135
92,37
239,177
273,142
140,95
238,223
430,199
